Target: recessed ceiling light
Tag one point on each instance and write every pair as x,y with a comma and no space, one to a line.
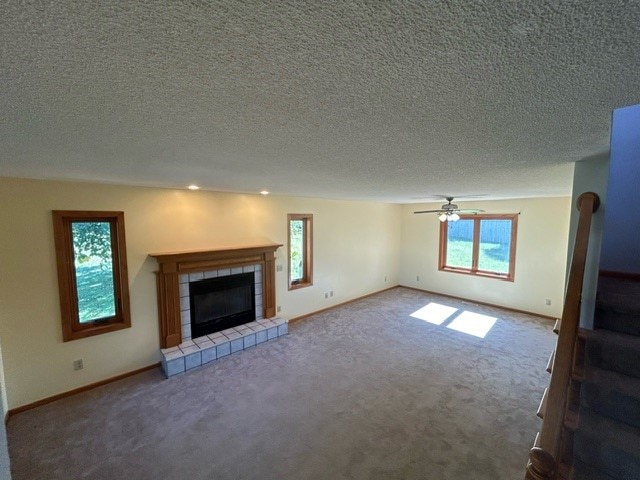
264,192
193,187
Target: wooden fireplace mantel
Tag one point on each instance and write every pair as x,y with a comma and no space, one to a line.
173,264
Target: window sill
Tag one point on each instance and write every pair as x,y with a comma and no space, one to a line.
296,286
479,273
94,329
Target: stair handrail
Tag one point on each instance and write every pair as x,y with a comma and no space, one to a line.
544,457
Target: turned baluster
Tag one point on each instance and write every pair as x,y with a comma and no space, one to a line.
541,465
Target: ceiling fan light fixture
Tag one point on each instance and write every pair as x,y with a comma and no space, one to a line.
448,216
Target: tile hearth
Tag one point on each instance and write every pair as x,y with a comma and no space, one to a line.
202,350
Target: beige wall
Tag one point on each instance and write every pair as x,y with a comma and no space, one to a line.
541,252
355,245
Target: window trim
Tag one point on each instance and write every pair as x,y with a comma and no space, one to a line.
442,256
307,257
72,329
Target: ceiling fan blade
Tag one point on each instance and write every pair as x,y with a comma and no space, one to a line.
470,210
428,211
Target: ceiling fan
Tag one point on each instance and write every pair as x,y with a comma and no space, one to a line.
450,211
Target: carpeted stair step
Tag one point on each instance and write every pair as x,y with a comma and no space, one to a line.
606,446
617,319
618,305
582,471
612,395
619,291
613,351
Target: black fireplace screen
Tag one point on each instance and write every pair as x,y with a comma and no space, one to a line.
221,303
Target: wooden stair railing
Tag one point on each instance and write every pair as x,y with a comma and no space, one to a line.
544,457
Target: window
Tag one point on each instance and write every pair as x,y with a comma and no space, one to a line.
300,250
479,245
92,272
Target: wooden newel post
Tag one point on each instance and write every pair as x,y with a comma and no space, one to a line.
588,198
541,465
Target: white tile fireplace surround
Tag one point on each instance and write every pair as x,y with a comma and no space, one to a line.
187,278
176,270
194,352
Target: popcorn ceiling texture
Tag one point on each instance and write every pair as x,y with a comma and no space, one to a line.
370,100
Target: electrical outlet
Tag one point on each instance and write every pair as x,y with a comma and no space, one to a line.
547,301
279,309
417,278
78,364
278,268
385,278
331,293
326,295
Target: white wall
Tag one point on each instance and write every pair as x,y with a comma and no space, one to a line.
355,245
541,254
589,175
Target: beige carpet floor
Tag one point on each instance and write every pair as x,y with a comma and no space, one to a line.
362,391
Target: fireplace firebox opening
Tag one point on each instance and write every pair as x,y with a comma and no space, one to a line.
222,302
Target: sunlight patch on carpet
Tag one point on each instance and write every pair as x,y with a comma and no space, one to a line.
474,324
434,313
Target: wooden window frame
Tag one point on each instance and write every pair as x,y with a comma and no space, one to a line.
72,329
307,258
477,218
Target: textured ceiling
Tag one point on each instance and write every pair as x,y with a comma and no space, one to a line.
386,101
